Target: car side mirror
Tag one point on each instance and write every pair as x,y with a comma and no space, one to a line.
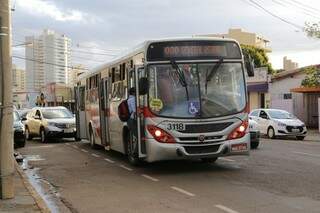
249,64
143,86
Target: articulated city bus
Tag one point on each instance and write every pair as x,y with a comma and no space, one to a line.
191,101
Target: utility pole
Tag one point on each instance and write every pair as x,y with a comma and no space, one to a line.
6,126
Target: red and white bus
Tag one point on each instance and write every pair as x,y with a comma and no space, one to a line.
191,101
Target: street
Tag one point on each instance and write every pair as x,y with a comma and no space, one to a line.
280,176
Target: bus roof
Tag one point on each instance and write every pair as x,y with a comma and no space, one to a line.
143,46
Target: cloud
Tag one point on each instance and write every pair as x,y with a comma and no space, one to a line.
49,9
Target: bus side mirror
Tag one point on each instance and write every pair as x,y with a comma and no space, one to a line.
143,86
249,64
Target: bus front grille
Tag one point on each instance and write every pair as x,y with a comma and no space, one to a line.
201,149
203,128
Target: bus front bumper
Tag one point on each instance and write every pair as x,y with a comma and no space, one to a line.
160,151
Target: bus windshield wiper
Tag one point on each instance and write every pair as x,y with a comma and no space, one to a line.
181,76
212,71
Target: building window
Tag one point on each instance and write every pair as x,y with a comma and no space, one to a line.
287,96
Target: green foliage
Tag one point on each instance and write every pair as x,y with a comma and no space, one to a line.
312,30
259,56
313,77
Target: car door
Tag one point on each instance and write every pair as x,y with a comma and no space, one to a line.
37,122
263,121
254,115
30,121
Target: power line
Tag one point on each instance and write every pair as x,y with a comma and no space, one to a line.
287,3
49,63
76,51
275,16
305,5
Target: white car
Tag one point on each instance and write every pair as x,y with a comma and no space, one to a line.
275,122
254,134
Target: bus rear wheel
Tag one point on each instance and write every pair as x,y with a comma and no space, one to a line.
132,150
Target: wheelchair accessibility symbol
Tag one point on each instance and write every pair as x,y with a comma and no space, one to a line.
193,107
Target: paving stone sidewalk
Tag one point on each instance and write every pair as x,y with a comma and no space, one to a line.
313,135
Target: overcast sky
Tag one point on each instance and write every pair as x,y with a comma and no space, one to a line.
110,26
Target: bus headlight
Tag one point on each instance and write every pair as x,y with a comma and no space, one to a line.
239,131
160,135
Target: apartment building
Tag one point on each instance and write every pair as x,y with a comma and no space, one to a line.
244,37
288,64
18,78
48,59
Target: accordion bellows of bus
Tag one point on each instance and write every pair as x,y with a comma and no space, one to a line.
190,101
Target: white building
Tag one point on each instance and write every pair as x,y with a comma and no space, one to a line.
48,59
74,73
287,93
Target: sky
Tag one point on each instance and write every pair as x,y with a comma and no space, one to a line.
102,29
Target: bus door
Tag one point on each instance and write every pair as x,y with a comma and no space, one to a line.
139,73
80,112
104,111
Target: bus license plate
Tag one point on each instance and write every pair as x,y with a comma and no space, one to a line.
176,126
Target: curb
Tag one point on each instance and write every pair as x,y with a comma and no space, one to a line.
37,198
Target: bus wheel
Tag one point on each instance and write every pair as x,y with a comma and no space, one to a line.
132,150
92,139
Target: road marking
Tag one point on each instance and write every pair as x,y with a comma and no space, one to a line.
126,168
227,159
108,160
182,191
84,150
75,147
95,155
150,178
226,209
303,153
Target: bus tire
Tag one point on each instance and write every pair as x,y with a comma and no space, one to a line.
93,144
132,150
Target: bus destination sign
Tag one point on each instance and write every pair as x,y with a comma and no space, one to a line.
193,50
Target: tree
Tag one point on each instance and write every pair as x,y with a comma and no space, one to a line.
313,77
259,56
312,30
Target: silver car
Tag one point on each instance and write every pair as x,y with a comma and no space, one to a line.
50,122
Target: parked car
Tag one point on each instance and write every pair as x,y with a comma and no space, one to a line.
50,122
254,133
23,114
275,122
19,131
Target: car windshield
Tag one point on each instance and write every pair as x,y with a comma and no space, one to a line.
199,90
56,113
277,114
16,116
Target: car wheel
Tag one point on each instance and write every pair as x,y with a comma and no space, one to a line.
209,160
43,137
27,133
132,150
254,145
300,138
77,139
271,133
92,139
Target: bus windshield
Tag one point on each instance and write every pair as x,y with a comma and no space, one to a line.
208,89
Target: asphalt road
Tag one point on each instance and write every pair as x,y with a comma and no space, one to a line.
281,176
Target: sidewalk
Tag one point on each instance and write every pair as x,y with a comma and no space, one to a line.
26,199
313,135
